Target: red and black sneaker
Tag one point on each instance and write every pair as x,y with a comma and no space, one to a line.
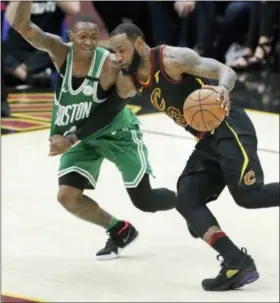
120,236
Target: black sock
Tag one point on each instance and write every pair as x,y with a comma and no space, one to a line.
225,247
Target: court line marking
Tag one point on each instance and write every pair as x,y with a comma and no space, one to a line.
271,151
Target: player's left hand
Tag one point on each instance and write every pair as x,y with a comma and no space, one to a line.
223,96
59,145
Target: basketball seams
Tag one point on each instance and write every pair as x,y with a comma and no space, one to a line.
201,109
207,119
199,100
213,115
208,104
207,111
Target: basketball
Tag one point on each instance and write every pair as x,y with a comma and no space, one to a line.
202,111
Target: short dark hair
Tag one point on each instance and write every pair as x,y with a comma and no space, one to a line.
131,30
83,18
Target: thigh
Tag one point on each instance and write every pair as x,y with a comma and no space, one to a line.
74,180
130,154
83,160
201,180
240,163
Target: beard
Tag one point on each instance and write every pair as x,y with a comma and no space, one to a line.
133,66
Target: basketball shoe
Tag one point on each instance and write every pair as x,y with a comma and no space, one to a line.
233,275
120,236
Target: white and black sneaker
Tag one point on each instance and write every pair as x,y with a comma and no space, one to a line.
120,236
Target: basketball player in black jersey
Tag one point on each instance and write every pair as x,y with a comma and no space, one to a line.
84,36
227,156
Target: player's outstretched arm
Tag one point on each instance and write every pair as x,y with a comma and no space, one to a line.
188,61
18,15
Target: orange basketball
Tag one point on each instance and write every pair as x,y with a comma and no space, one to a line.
202,111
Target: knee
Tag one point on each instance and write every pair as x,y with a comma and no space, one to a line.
145,205
142,196
68,197
243,197
184,204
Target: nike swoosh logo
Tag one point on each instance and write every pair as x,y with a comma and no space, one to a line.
126,238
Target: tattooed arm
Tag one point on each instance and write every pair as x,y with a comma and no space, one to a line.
185,60
18,15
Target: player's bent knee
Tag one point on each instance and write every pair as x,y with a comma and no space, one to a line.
183,204
244,197
142,203
68,196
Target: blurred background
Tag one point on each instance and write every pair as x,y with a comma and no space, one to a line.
244,35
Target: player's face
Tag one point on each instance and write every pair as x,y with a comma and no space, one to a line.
85,38
127,53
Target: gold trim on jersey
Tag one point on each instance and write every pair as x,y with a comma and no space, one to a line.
243,151
200,81
156,76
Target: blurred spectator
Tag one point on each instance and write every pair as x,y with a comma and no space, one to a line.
114,12
165,25
5,109
184,23
22,63
261,38
205,19
234,26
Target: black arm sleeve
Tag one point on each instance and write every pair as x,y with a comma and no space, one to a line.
98,119
102,116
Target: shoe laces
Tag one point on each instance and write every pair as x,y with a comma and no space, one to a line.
110,241
224,263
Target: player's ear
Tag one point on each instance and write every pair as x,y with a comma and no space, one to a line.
139,44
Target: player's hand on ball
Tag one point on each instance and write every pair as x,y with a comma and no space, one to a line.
223,96
58,145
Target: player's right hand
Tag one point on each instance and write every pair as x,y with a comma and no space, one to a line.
223,96
59,145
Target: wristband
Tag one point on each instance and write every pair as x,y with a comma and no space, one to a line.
70,137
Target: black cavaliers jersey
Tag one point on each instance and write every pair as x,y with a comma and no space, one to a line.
165,94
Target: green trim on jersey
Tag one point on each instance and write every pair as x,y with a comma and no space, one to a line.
71,107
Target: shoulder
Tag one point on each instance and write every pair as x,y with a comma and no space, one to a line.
179,56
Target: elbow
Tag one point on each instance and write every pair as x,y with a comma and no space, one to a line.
70,8
76,8
230,72
18,25
234,74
